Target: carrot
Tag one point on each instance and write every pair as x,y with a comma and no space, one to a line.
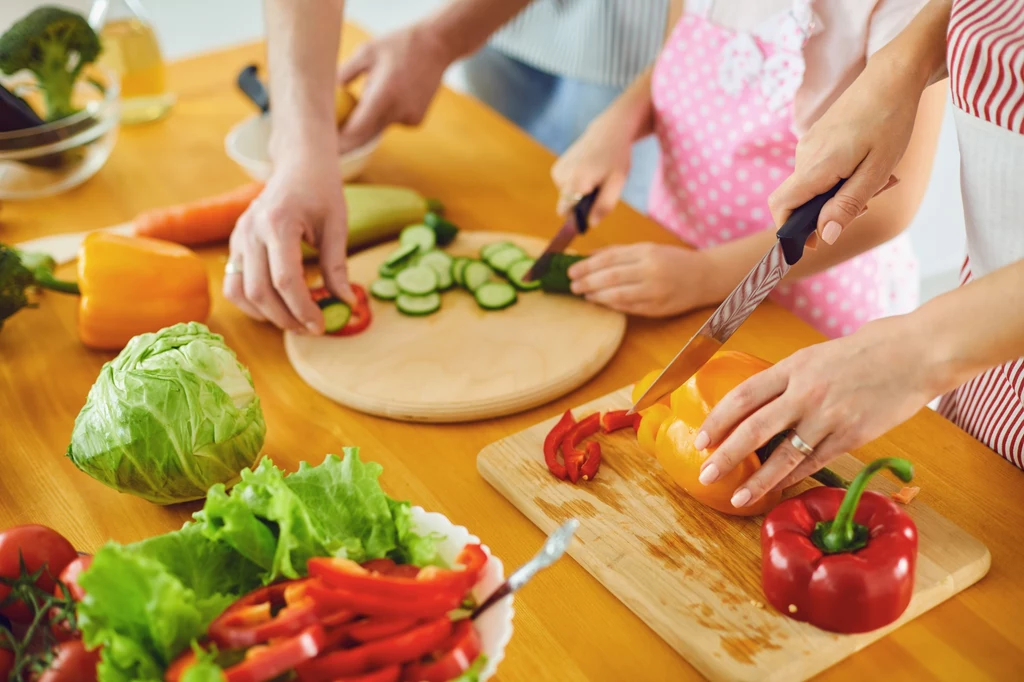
205,221
906,494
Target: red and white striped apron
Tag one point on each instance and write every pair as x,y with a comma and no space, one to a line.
985,52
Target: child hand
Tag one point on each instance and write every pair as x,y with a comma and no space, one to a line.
650,280
601,156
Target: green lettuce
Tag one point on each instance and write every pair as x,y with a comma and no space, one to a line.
171,415
147,602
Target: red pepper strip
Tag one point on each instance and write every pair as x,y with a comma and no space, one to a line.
375,605
250,620
382,566
408,646
372,629
347,575
361,315
388,674
451,660
619,419
592,463
553,441
573,456
842,560
265,663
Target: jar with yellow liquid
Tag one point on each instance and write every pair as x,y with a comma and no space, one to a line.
131,50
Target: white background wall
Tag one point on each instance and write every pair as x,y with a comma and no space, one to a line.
187,27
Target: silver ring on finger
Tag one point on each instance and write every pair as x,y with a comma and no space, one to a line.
800,445
573,198
233,267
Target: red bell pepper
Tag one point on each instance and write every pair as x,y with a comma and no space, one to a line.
261,663
451,660
842,560
573,456
262,615
553,442
361,316
389,674
620,419
371,629
377,605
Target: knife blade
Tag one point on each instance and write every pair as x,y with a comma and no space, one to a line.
738,305
576,223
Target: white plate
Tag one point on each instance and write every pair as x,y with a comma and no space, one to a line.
494,626
248,141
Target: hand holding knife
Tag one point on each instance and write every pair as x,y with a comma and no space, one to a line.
576,223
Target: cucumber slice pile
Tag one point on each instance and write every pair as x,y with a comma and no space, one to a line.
416,273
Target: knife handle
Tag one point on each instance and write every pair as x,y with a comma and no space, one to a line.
802,223
250,84
581,211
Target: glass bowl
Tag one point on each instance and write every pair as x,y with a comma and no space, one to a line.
54,157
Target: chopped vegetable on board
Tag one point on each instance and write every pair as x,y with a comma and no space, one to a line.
906,494
843,561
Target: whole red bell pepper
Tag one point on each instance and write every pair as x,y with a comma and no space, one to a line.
553,441
842,560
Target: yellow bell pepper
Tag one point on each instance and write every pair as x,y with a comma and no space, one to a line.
674,429
133,285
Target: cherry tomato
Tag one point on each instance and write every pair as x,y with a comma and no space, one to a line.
69,576
39,546
6,664
72,663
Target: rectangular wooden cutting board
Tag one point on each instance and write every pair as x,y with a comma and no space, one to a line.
693,575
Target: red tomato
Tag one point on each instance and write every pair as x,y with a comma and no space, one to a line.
73,663
69,576
39,546
6,663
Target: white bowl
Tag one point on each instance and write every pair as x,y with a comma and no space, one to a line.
247,145
495,625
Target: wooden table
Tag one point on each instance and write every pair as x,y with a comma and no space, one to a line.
568,627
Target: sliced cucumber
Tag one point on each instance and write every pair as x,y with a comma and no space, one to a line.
336,314
401,255
517,271
384,289
445,231
441,263
418,280
419,235
476,275
389,272
495,295
458,268
494,247
500,260
418,305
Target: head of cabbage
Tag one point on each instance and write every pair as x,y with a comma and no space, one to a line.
171,415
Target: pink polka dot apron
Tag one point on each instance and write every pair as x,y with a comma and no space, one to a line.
723,104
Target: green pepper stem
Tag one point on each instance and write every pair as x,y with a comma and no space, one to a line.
47,281
842,534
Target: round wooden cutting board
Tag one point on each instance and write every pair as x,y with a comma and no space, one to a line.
461,363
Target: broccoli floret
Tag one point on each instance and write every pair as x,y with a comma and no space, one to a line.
20,271
55,45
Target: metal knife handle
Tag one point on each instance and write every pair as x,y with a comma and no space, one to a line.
250,84
581,211
801,225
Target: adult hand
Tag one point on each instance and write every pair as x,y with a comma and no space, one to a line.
403,72
836,396
652,280
861,137
303,200
601,156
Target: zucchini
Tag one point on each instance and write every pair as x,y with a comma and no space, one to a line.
420,235
476,275
385,289
500,260
458,268
418,280
492,248
517,271
444,230
556,279
336,313
495,295
418,305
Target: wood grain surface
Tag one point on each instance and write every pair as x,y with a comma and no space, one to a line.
693,574
569,627
461,363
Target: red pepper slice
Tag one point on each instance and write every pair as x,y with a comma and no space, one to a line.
262,663
451,660
407,646
377,605
573,456
389,674
262,615
361,315
619,419
592,462
371,629
553,441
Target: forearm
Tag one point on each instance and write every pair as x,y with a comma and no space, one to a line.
465,25
919,52
631,115
303,37
973,328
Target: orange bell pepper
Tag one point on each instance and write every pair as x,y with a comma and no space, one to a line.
668,432
133,285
